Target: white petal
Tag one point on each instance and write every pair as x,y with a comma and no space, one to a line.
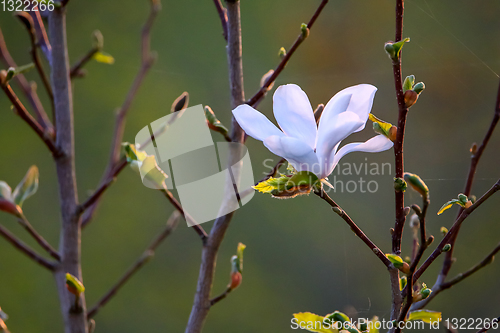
294,113
297,152
331,133
255,123
357,99
374,145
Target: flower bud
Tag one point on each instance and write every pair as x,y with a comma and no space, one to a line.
264,79
304,30
180,102
463,198
419,87
389,48
400,184
406,210
410,98
444,231
282,52
236,279
430,240
446,248
473,149
393,132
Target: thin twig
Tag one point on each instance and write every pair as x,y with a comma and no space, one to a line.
453,229
398,144
219,298
437,289
475,157
263,90
222,16
28,89
75,69
145,257
39,239
41,34
30,27
273,171
147,60
21,246
26,116
354,227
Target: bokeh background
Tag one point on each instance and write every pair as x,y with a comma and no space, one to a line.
300,256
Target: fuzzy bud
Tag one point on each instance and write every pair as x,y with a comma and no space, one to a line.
410,98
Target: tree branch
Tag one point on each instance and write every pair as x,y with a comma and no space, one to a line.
437,289
398,144
337,209
21,111
219,298
222,16
455,227
75,69
21,246
28,89
254,101
39,239
70,246
146,256
147,60
475,157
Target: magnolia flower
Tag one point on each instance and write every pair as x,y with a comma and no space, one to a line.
308,147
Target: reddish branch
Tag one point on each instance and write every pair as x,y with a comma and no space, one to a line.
398,144
222,16
28,89
263,90
476,156
21,246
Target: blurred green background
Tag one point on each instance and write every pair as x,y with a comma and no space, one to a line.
300,256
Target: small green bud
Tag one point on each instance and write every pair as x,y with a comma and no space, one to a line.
402,282
425,292
446,248
408,83
419,87
10,74
214,123
472,198
282,52
97,40
417,184
338,210
443,230
463,198
400,184
304,30
389,48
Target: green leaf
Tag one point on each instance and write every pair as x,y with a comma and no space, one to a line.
402,282
27,187
74,285
213,122
396,260
408,83
239,255
271,184
417,184
399,45
103,57
152,171
462,201
312,321
132,153
426,316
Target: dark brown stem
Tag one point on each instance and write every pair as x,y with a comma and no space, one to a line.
475,157
337,209
454,228
437,289
70,245
39,239
398,144
145,257
21,246
28,90
219,298
222,16
263,90
26,116
75,69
